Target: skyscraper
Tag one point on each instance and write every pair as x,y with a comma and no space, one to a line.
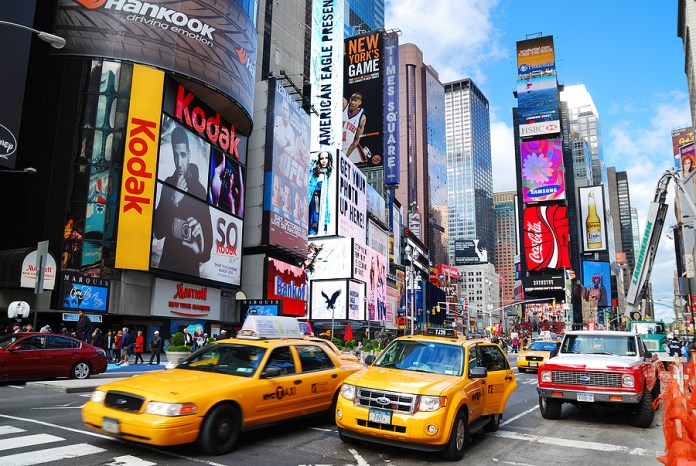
469,166
363,16
505,243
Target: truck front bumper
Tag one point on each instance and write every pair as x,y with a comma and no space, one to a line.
589,396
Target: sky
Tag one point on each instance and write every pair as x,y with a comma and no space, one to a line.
626,53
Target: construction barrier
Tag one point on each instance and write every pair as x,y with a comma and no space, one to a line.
679,413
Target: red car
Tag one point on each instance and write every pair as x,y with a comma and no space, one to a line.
27,356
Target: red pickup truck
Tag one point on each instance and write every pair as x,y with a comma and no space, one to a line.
601,368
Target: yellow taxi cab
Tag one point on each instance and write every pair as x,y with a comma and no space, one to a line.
329,344
269,373
427,392
536,354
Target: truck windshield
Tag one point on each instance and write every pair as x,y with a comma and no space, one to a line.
600,344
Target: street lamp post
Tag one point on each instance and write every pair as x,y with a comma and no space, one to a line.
54,40
412,256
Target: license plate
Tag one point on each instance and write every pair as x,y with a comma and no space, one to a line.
532,364
379,416
111,425
586,397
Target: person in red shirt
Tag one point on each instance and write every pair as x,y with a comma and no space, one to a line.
138,349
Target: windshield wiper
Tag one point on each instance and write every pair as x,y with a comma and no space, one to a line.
601,352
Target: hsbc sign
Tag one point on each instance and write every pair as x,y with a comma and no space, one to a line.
536,129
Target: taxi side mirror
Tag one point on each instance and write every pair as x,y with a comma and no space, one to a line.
270,372
478,373
370,359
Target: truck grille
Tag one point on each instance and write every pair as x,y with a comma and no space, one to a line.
596,379
398,402
535,358
123,401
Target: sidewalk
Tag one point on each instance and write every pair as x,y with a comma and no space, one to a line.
113,373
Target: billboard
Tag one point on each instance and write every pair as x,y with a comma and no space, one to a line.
139,164
326,74
536,57
322,193
377,286
538,283
181,300
378,239
356,300
352,200
543,173
537,106
329,299
470,251
287,283
682,137
392,165
286,178
596,279
212,42
334,258
84,293
546,237
376,205
363,100
593,225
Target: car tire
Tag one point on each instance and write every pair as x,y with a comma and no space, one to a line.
331,413
81,370
550,408
656,391
347,440
220,430
521,371
494,423
642,414
459,438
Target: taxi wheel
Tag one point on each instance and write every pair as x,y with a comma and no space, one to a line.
81,370
521,371
220,430
331,413
550,408
459,438
494,423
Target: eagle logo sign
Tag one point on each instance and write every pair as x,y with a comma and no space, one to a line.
331,302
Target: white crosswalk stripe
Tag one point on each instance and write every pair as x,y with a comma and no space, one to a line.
49,455
28,441
4,430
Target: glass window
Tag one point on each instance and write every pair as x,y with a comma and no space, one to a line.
282,359
62,343
35,342
493,358
313,358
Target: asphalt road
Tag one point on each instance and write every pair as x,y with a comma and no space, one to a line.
44,427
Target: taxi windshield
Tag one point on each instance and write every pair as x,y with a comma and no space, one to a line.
233,359
423,356
543,346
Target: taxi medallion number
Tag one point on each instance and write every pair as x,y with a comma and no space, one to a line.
586,397
379,416
111,425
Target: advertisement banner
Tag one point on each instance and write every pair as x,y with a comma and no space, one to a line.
84,293
326,74
334,258
396,224
378,239
29,268
356,300
536,57
470,251
682,137
260,307
185,300
593,225
376,205
361,262
139,166
287,283
329,299
537,102
377,286
363,100
352,201
543,173
546,238
543,283
212,42
287,170
322,192
596,278
392,165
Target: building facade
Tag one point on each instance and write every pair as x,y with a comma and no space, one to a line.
505,243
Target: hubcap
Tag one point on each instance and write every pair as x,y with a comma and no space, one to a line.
81,371
460,434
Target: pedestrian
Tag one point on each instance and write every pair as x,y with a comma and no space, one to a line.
674,347
118,341
222,335
138,348
126,346
188,338
156,347
45,329
109,345
515,344
82,330
98,338
198,341
29,328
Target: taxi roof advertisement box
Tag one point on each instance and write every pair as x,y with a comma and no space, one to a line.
213,42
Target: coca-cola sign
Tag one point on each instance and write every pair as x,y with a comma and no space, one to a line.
546,238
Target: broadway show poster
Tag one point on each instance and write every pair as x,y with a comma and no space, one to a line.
543,172
84,293
546,237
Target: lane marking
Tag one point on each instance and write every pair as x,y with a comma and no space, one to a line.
361,461
576,443
129,460
4,430
504,423
27,441
50,455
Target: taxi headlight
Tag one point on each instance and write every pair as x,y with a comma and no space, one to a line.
170,409
98,396
431,403
628,381
546,376
348,392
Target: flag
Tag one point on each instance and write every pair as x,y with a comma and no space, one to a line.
502,277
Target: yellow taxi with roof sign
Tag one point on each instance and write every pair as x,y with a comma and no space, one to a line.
268,374
536,354
427,392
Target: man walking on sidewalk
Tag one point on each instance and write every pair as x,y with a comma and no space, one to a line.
156,347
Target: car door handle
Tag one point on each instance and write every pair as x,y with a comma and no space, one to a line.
483,381
297,382
509,377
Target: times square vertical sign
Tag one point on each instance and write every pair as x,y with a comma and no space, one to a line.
326,74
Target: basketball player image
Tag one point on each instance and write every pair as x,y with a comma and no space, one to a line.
353,127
